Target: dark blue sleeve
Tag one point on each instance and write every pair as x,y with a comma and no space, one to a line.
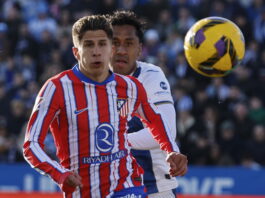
135,124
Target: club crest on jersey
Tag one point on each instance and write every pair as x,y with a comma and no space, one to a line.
122,106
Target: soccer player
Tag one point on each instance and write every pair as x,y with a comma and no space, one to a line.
127,42
87,109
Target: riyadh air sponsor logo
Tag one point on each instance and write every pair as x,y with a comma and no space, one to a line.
104,158
76,112
104,137
123,106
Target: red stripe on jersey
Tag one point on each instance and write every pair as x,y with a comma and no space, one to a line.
122,93
83,132
34,114
103,116
62,126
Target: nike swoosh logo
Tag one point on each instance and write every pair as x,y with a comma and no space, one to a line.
76,112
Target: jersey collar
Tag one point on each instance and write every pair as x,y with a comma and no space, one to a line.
84,78
137,72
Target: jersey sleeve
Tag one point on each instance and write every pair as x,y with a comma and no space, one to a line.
157,124
143,139
45,109
157,87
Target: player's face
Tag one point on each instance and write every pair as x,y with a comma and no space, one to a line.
93,54
127,49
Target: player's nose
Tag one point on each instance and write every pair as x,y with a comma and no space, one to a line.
121,50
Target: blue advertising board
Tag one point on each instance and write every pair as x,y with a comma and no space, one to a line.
199,180
223,181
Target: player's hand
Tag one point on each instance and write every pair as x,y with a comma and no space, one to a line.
178,164
70,183
74,180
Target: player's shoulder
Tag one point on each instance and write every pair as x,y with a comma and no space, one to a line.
127,78
56,78
149,68
149,73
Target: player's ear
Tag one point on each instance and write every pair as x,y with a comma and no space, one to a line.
75,52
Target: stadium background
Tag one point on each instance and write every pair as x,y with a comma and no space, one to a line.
221,121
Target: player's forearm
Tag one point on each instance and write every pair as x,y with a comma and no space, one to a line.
40,161
142,140
160,130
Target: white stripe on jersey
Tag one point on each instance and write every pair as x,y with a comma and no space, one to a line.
93,123
72,122
114,118
43,109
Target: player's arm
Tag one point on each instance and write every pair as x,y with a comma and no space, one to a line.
143,139
161,133
159,93
45,109
157,124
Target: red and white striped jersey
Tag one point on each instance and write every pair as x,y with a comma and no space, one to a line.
88,121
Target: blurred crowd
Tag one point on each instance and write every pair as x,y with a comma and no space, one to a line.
220,121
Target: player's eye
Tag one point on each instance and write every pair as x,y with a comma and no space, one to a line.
88,44
116,43
128,44
102,43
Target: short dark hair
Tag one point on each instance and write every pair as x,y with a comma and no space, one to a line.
91,23
129,18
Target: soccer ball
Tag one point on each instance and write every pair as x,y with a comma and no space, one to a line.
214,46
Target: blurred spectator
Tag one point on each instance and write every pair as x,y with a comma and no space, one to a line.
32,8
256,145
173,45
4,101
259,32
17,117
254,8
5,43
107,6
26,44
152,45
242,122
65,48
164,24
43,23
183,102
64,24
218,90
5,142
13,20
256,110
47,45
184,21
245,25
230,143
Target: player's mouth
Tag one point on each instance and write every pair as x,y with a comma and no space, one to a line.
121,62
97,63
